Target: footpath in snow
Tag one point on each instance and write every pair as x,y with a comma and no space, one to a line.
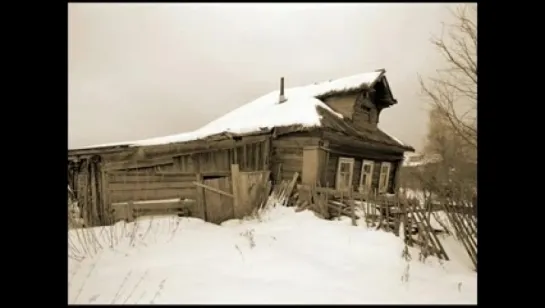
283,257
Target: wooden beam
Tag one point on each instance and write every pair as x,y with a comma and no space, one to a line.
368,155
221,192
362,141
155,204
139,164
105,195
159,152
200,198
311,165
94,194
256,151
323,177
72,154
235,180
203,145
142,173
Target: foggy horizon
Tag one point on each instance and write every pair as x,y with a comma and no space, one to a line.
139,71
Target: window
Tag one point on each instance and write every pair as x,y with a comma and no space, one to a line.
367,111
366,177
344,173
384,177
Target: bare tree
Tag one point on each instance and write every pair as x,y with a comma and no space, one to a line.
453,91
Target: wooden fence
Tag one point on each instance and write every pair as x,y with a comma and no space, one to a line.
393,213
214,196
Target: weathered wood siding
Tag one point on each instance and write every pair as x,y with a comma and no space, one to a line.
217,199
331,170
252,153
287,155
358,109
342,104
250,189
365,114
177,149
88,183
313,164
203,162
163,171
139,185
219,208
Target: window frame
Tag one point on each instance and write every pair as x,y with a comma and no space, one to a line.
350,162
366,187
383,188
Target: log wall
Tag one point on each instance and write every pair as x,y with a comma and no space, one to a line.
287,154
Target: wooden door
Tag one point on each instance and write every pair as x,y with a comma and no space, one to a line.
218,208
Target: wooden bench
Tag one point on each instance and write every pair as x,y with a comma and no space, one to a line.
131,210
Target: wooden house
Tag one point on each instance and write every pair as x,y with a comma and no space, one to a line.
327,132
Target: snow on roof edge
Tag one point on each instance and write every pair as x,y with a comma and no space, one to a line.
420,159
398,141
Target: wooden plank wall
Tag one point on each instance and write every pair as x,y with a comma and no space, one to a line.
250,189
89,192
151,175
127,189
145,185
250,156
251,153
203,162
72,177
287,155
168,172
311,165
331,170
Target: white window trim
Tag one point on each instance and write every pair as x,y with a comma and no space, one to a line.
384,188
344,160
366,187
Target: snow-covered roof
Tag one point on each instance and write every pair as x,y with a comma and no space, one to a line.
266,112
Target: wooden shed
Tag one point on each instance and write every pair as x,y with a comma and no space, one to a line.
327,132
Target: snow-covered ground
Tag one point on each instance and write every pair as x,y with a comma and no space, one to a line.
282,257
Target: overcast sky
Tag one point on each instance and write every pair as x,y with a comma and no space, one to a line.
145,70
